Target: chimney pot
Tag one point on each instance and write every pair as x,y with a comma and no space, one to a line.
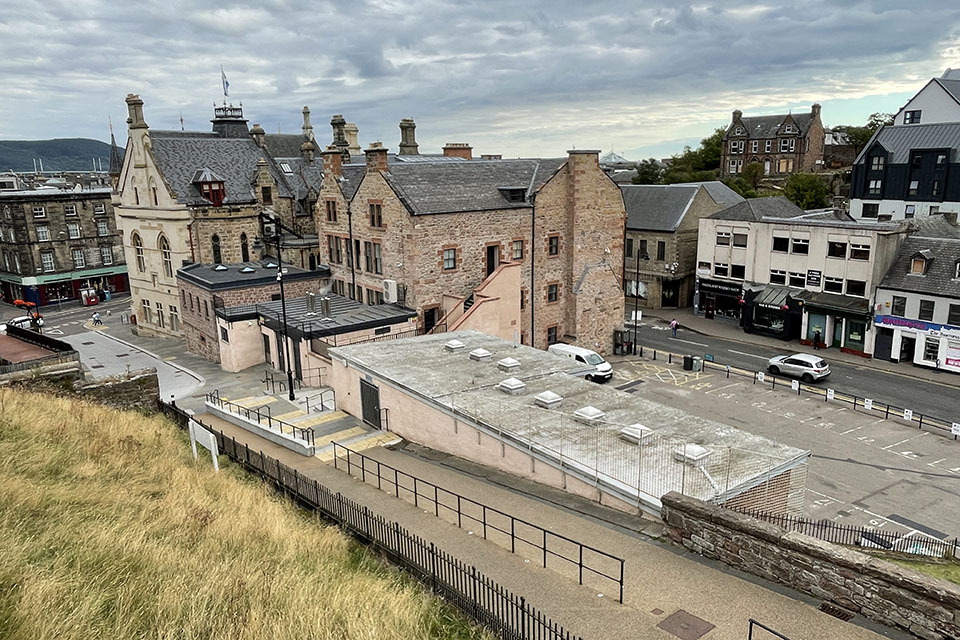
332,161
135,112
458,150
408,138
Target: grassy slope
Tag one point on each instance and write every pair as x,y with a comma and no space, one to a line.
946,570
108,529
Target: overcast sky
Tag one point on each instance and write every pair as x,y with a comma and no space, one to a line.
641,77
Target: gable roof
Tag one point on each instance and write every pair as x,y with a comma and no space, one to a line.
769,126
283,145
951,86
939,278
656,207
448,187
721,193
756,209
899,140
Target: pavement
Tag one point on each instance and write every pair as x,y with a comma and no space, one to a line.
660,580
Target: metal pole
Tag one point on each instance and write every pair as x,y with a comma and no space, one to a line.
636,302
283,308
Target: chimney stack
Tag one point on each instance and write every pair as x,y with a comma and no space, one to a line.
408,138
257,133
332,161
307,127
135,112
351,132
340,136
737,114
307,150
815,110
458,150
376,157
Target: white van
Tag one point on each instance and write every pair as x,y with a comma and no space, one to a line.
603,369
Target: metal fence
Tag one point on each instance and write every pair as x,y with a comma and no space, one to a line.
301,433
909,542
463,586
521,533
872,406
37,363
756,625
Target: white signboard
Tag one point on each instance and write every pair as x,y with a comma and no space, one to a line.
868,403
829,394
795,385
759,376
908,414
206,439
955,428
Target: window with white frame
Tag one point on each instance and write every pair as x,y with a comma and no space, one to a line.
784,145
39,212
73,230
69,209
801,246
721,269
79,261
147,311
913,188
876,163
859,251
160,315
518,249
909,211
856,288
46,259
767,145
911,117
449,259
43,233
99,207
754,145
106,255
174,319
778,276
739,239
723,238
738,271
16,262
102,228
874,188
733,166
797,279
833,285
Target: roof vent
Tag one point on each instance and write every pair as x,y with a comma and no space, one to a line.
692,454
588,415
548,400
512,386
454,345
219,267
636,433
508,364
271,265
480,354
247,270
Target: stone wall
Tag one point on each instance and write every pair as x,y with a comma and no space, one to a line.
136,390
926,607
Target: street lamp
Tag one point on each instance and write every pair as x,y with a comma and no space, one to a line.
279,227
636,298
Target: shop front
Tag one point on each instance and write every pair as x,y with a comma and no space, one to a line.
840,322
719,299
772,310
57,289
923,343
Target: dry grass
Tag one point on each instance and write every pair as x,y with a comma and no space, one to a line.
109,529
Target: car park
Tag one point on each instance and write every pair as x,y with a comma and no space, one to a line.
807,367
602,370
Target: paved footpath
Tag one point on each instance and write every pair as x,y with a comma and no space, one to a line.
659,579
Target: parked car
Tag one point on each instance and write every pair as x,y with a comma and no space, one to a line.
603,371
21,322
800,365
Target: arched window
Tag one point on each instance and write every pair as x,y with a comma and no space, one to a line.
165,255
215,242
244,248
138,252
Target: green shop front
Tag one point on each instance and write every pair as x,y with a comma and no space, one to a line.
840,322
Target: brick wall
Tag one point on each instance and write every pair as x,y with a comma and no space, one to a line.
926,607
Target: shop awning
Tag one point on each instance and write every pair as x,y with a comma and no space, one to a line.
773,296
836,305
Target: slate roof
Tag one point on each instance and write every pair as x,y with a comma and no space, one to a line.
179,156
935,226
613,158
656,207
939,279
244,274
345,315
951,86
899,140
303,175
284,145
768,126
447,187
721,193
756,209
351,177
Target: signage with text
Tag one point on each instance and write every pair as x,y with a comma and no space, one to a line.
813,277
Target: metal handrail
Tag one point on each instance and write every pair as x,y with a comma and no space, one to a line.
305,434
434,494
754,623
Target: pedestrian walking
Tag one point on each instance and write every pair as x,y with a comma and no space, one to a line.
96,319
674,325
816,340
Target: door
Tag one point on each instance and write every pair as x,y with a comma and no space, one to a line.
266,349
297,366
766,167
837,332
370,403
669,294
281,360
908,347
883,346
493,259
429,319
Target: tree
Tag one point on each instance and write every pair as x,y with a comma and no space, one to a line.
697,165
752,174
649,171
860,136
806,190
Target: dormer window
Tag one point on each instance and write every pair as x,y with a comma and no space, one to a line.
738,131
210,186
788,128
920,262
876,163
513,194
956,270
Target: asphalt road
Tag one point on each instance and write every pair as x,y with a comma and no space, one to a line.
898,388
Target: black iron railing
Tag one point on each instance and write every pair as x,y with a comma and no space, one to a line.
475,595
757,625
300,433
521,532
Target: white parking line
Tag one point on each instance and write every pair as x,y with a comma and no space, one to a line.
699,344
749,355
843,433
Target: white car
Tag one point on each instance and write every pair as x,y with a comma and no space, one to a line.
800,365
602,371
21,322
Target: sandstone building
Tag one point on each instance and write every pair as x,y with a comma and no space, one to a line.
782,144
426,231
196,197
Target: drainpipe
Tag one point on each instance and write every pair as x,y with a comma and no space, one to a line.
533,262
193,257
351,248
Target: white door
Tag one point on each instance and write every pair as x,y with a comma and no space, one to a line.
766,167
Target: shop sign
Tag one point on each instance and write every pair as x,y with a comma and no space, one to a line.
720,287
906,323
953,354
813,277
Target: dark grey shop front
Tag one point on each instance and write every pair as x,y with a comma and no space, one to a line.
718,298
772,310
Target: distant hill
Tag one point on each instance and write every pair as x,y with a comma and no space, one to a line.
59,154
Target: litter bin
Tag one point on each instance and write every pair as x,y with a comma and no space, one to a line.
687,363
697,363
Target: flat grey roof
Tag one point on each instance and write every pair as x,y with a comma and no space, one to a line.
345,315
454,382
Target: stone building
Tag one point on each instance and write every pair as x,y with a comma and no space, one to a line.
662,229
782,144
205,289
55,243
196,197
427,231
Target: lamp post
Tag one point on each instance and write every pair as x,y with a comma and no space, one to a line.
636,298
283,302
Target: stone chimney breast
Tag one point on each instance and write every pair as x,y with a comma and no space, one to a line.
458,150
376,157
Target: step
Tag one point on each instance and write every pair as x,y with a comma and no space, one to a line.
376,439
254,401
316,420
289,416
340,436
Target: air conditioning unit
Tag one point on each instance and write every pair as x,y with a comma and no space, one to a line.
391,292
